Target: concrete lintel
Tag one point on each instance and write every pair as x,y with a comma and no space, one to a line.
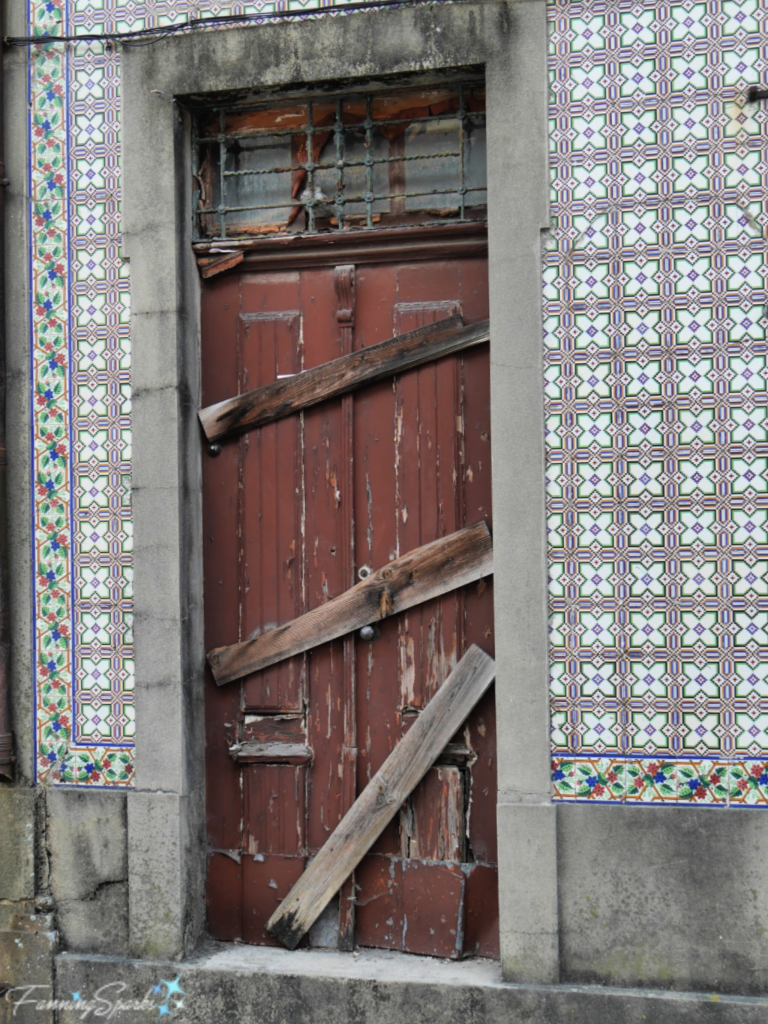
252,985
287,54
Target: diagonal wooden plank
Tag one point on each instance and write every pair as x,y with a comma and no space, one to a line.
429,571
382,797
283,397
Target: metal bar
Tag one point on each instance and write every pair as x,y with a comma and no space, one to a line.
375,196
222,196
272,101
197,193
462,154
6,737
299,129
340,162
310,169
368,163
347,163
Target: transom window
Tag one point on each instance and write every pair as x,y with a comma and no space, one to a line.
341,162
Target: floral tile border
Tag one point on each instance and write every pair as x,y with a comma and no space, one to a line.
707,782
59,758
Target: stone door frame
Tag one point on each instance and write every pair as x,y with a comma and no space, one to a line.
166,834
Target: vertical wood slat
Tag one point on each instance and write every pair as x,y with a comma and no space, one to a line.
272,555
344,282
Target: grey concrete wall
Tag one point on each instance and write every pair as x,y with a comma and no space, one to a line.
664,896
87,853
27,936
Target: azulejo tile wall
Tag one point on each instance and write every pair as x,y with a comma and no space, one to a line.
654,298
656,383
80,367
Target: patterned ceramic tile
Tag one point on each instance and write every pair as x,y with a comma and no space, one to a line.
85,724
656,397
656,386
81,377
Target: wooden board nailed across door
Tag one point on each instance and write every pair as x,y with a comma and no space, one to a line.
295,513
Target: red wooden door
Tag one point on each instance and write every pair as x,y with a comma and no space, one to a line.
294,514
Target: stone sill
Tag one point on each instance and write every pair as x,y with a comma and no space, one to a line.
256,985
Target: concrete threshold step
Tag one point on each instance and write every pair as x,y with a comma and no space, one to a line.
223,984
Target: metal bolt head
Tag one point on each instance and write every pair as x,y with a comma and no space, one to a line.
214,450
367,633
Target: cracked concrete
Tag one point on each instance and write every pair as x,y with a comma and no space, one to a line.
87,850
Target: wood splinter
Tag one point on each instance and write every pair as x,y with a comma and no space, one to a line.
429,571
381,799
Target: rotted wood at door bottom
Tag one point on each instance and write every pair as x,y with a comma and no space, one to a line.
297,512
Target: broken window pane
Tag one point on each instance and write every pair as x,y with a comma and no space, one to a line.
332,163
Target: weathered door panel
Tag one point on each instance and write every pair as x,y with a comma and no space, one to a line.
220,561
270,485
294,514
267,880
411,905
432,819
481,924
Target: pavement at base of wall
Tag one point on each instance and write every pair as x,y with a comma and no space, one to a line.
225,984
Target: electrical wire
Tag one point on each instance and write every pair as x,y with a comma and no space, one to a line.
151,35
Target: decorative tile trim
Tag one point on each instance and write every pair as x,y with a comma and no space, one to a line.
604,780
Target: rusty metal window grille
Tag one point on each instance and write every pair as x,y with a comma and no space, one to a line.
341,162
